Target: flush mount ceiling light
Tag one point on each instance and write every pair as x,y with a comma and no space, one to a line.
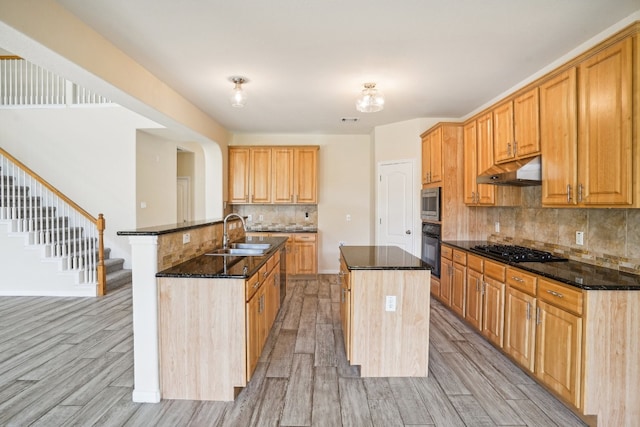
371,100
238,96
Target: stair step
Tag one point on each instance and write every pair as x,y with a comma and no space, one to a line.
113,264
6,179
28,201
33,213
13,189
41,224
118,279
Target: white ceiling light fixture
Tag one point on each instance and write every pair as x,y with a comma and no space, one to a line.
371,100
238,96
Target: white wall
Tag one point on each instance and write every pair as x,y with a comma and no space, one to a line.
89,154
344,184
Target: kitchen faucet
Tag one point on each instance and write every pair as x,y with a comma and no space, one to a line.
225,235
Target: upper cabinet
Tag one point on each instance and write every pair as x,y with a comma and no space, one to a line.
432,156
273,174
586,122
516,128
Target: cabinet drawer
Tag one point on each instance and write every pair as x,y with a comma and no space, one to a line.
560,295
253,283
475,263
446,252
520,280
495,271
459,257
305,237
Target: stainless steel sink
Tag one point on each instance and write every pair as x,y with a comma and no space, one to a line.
237,252
246,245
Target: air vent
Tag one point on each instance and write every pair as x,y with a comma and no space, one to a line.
349,119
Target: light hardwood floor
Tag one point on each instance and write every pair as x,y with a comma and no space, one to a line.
68,361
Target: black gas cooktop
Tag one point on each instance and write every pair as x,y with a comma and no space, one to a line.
514,253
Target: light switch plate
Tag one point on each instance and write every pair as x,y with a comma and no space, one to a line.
390,303
186,238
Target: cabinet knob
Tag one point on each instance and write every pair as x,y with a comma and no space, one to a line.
407,232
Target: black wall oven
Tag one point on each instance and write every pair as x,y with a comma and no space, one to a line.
431,246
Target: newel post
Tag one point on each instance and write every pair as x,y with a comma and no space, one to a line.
102,273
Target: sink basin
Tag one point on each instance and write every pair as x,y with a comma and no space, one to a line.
238,252
259,246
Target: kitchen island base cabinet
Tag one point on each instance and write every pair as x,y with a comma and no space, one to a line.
202,338
385,342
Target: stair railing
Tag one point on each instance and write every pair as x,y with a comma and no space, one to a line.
53,220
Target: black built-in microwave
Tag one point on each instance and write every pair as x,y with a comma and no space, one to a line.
431,204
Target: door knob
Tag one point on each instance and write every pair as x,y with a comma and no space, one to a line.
407,232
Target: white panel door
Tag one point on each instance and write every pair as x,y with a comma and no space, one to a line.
184,199
395,205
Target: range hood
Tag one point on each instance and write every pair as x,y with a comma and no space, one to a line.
518,173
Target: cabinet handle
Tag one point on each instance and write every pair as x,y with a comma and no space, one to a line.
528,310
555,294
517,279
257,285
579,193
537,315
342,296
509,149
568,193
515,148
482,287
264,275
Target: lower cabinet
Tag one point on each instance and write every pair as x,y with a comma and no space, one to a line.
459,282
256,329
474,296
520,327
345,306
559,340
301,249
446,275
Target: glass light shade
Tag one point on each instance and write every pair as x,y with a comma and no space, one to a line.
371,100
238,96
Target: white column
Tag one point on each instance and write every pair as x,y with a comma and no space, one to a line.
146,386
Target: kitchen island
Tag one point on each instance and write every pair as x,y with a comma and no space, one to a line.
385,310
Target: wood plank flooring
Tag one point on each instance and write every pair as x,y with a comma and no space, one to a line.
69,361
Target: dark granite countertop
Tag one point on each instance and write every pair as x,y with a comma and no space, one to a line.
217,267
282,229
573,273
380,258
169,228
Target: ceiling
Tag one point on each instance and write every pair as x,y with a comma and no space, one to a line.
306,60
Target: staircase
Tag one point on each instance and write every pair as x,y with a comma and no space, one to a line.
44,252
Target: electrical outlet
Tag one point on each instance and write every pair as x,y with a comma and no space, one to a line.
186,238
348,217
497,226
579,238
390,303
249,218
260,218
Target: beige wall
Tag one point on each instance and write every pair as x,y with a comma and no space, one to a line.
344,187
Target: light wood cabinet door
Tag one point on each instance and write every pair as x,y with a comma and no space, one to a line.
458,288
559,139
282,174
426,164
306,248
503,146
493,311
526,124
306,175
255,329
520,331
446,278
238,175
260,175
473,300
605,132
558,351
485,193
470,154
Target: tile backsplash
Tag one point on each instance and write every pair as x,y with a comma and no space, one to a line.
611,236
285,215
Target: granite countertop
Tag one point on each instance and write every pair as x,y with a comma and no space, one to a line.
216,267
380,258
573,273
281,228
169,228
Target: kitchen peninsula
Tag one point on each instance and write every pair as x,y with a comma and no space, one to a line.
384,307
